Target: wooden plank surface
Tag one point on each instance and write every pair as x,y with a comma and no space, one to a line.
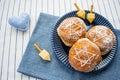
13,42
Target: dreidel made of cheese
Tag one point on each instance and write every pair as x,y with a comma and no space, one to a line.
91,15
43,53
80,13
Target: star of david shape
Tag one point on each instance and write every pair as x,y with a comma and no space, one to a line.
72,32
97,34
86,60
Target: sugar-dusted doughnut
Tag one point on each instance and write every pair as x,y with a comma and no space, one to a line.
71,29
103,37
84,55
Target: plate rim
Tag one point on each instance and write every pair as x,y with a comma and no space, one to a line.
67,64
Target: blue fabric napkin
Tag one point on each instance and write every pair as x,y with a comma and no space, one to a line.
34,66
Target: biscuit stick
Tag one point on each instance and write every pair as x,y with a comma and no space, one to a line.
43,53
91,15
80,13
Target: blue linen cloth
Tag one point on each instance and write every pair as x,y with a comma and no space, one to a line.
34,66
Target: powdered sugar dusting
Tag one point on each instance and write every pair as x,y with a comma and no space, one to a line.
69,24
74,27
100,33
97,34
102,36
74,33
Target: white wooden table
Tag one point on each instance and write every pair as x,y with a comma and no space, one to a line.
13,42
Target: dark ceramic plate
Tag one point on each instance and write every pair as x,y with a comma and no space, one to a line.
62,51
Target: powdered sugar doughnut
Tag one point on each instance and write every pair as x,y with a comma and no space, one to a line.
102,37
71,29
84,55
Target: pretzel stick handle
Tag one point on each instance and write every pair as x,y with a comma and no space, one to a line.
37,47
77,6
91,8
